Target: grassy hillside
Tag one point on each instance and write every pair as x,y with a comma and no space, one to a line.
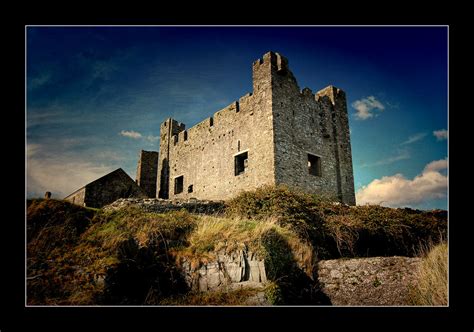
338,230
88,256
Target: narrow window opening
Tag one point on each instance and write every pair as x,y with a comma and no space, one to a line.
190,188
241,163
314,165
238,145
185,135
178,184
211,121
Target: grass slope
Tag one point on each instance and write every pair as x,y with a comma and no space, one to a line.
88,256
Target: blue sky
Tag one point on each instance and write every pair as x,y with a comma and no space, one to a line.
97,95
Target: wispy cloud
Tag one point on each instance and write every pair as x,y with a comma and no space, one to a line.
104,69
441,134
366,107
436,165
398,191
50,169
152,138
401,155
131,134
39,80
57,114
414,138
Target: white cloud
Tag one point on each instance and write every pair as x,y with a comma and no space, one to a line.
131,134
436,165
152,138
398,191
441,134
414,138
59,173
401,155
366,107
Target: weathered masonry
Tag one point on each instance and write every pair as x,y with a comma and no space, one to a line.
278,134
147,172
106,189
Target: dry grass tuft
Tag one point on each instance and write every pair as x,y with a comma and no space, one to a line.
432,276
214,234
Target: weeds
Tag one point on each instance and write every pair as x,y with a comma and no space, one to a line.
432,277
78,255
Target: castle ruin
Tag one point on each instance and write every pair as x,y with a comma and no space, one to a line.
278,134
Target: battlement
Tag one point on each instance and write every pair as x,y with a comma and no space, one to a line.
332,93
172,127
224,116
275,59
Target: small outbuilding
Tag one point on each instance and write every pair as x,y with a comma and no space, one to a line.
106,189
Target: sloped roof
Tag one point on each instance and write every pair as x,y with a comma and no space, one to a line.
117,171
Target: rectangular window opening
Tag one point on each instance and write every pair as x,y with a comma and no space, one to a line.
190,188
178,184
314,165
241,163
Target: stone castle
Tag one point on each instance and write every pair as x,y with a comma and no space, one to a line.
278,134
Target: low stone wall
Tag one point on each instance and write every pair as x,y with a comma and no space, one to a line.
164,205
368,281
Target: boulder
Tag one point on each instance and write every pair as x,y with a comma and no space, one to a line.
368,281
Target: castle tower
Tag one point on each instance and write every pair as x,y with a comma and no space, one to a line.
147,171
336,100
278,134
312,142
169,131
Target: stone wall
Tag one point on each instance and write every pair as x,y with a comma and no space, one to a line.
147,171
311,124
107,189
164,205
205,154
77,197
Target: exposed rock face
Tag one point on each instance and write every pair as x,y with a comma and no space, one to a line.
164,205
234,270
368,281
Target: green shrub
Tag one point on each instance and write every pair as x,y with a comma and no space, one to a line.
337,230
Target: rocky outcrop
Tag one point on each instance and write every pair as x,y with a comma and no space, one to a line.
159,205
368,281
241,269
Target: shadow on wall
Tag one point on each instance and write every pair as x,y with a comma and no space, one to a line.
295,286
164,180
